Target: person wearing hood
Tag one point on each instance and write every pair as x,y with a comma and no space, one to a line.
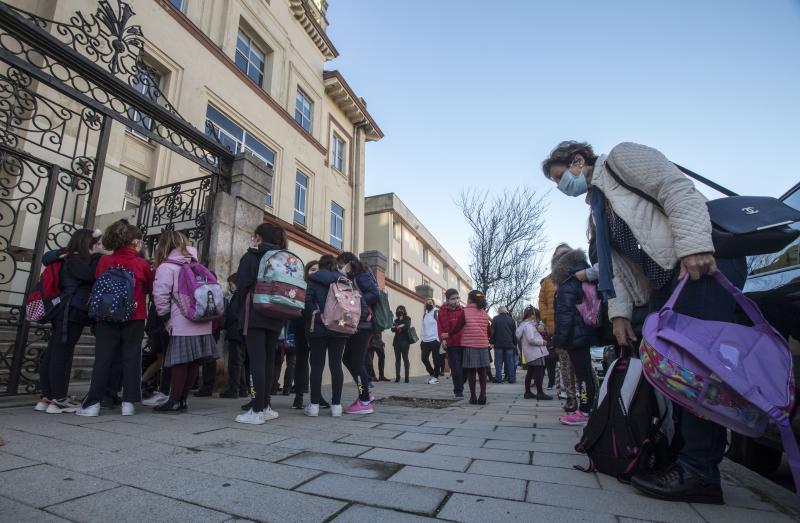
322,341
644,250
190,342
260,332
571,333
355,352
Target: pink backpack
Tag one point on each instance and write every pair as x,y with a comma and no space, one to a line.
199,296
342,307
589,308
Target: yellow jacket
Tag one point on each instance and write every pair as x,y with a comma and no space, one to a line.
547,298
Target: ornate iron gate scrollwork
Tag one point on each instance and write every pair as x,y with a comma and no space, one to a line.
61,85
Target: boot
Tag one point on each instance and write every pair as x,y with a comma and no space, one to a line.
168,407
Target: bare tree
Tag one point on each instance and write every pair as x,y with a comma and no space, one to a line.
507,243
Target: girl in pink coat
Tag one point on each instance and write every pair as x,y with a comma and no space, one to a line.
476,330
190,342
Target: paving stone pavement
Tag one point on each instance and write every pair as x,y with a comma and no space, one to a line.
509,460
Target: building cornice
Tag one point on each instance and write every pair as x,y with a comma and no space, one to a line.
302,12
302,237
337,88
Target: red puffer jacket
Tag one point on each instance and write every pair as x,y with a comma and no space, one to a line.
128,258
448,319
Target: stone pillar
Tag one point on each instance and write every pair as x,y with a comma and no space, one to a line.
424,291
377,263
237,214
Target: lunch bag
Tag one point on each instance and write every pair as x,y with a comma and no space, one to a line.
199,297
738,376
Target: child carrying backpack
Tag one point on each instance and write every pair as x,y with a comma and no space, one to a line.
117,303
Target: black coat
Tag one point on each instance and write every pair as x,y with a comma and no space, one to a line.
401,337
570,331
504,332
75,280
316,295
246,276
232,314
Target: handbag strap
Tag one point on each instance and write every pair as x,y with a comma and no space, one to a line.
705,181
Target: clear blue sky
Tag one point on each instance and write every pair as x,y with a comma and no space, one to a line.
477,93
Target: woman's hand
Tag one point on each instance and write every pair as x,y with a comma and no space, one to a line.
581,275
623,332
698,265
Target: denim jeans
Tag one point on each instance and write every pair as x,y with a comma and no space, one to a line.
455,357
703,441
505,356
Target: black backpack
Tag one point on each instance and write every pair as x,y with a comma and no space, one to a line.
631,429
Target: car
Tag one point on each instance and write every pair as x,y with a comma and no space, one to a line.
773,282
602,358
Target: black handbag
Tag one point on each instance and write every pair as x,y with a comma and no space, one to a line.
740,225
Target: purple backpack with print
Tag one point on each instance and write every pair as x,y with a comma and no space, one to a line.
199,296
738,376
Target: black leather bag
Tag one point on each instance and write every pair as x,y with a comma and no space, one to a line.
741,225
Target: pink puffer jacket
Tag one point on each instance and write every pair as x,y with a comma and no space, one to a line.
166,283
477,328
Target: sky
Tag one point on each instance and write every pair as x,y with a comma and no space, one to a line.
475,94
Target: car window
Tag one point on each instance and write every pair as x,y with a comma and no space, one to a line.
788,257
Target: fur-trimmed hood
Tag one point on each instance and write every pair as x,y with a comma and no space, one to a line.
568,264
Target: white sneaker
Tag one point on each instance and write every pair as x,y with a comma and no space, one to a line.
251,418
433,381
562,395
312,410
156,399
336,411
66,405
270,414
128,409
89,412
42,405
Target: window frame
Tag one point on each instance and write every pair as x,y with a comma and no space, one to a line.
396,271
252,46
299,112
181,7
338,153
334,220
301,191
426,256
398,231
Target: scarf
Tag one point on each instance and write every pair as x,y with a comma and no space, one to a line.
605,283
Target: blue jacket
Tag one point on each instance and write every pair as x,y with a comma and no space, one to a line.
570,331
504,332
365,281
316,295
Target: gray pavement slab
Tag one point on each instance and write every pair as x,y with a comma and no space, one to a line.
127,504
249,450
729,514
10,462
362,468
567,461
511,456
410,498
445,440
534,473
412,428
45,485
264,503
479,509
337,449
264,472
161,479
434,461
387,443
17,512
361,513
463,482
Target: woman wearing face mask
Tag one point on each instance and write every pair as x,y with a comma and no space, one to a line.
355,352
449,316
402,341
642,254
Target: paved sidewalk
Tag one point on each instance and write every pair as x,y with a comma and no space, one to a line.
507,461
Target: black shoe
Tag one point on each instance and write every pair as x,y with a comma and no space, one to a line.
247,406
473,401
459,395
406,379
530,396
510,382
397,379
285,391
229,394
203,393
169,407
543,397
184,406
482,400
324,404
676,484
298,403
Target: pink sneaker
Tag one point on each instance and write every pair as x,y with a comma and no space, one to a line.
359,408
574,418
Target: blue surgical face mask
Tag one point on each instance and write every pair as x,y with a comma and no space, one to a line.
573,185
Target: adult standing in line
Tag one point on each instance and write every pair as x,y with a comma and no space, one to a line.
547,287
430,342
643,252
261,333
449,316
402,341
378,347
504,340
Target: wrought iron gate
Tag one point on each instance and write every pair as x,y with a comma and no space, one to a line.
61,85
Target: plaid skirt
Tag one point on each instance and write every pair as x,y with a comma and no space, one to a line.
185,349
475,358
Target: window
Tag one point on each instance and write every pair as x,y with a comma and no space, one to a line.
396,270
303,110
236,140
425,256
337,225
337,153
249,58
426,281
147,82
300,197
398,231
134,187
446,275
180,5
